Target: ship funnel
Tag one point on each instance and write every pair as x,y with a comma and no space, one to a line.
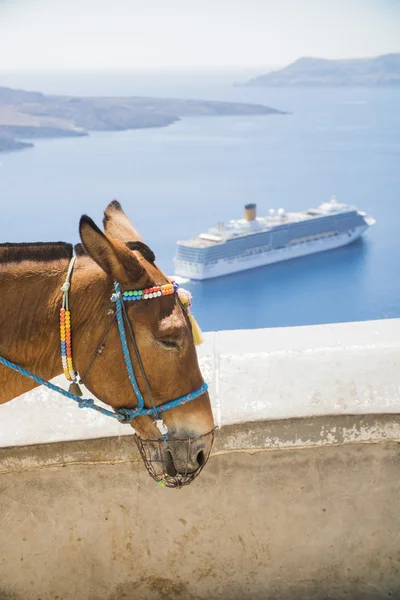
250,212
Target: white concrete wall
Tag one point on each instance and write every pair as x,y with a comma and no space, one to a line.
254,375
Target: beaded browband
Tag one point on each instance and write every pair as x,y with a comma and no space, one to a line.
153,292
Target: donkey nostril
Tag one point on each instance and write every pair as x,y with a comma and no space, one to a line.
201,458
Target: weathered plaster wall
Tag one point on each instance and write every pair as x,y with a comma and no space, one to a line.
311,523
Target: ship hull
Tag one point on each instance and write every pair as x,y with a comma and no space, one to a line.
199,272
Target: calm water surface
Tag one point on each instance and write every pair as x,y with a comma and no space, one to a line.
177,181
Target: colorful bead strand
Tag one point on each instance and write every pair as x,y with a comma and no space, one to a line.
146,294
66,347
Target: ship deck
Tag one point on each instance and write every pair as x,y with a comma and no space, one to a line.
235,229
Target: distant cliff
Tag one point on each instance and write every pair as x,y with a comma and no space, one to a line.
8,144
379,71
32,114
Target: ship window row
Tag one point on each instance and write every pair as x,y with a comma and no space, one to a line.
317,236
189,253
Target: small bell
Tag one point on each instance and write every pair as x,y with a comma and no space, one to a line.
75,389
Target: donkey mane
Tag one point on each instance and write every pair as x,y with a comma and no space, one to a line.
38,251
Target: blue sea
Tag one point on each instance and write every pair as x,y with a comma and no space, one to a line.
177,181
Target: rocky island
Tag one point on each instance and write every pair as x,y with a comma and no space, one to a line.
26,115
378,71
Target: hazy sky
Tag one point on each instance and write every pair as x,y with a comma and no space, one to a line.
191,33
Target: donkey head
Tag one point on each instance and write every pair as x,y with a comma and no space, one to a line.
164,341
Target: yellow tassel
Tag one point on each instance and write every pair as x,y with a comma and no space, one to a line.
197,334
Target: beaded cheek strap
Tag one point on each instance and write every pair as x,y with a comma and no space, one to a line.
65,334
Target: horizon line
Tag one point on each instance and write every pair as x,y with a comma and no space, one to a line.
182,68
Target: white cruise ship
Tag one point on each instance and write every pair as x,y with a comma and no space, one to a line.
257,241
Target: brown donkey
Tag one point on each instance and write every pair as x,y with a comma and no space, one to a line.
31,276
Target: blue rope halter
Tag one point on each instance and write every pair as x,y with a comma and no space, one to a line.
123,415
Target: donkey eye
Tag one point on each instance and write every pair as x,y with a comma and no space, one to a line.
169,344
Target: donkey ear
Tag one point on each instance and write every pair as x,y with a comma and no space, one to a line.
117,225
114,257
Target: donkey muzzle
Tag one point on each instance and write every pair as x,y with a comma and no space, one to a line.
175,462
